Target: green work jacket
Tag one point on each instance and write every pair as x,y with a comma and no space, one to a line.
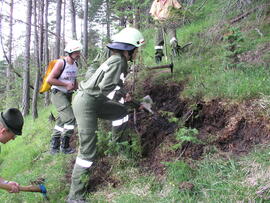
108,79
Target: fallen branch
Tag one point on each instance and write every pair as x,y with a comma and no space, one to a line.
240,17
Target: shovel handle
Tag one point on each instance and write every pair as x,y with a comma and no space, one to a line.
30,188
161,66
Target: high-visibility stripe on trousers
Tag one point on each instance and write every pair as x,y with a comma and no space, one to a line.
87,109
65,122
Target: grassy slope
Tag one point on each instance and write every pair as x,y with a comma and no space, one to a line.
215,179
27,159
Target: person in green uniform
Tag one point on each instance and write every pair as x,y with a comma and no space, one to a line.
160,11
120,125
11,124
95,99
63,81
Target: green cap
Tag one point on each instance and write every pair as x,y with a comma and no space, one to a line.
13,120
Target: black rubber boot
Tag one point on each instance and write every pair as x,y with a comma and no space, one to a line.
55,145
158,55
65,148
176,50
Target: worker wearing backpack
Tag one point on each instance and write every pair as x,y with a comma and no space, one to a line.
63,81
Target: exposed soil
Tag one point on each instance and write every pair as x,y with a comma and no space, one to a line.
224,128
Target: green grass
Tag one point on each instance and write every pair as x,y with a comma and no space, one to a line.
215,179
27,158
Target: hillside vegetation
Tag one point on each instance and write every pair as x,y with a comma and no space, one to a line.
208,140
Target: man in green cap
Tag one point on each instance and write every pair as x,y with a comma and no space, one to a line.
11,124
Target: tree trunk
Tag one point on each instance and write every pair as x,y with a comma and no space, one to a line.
26,73
137,14
73,19
85,29
37,63
58,29
39,55
108,22
8,70
63,30
46,50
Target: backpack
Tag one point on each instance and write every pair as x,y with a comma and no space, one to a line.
45,86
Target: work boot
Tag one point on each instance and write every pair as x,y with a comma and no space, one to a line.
55,145
176,50
65,148
158,55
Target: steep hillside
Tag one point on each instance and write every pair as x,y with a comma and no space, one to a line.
207,139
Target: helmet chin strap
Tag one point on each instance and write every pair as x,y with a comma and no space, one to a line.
130,53
71,56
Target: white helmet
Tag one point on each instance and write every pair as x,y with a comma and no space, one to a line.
129,36
73,45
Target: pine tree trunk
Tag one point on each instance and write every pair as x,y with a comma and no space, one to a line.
85,30
108,21
37,63
73,19
26,72
63,30
39,54
137,15
8,70
58,29
46,50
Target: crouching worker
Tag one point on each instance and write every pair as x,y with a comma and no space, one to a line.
63,81
95,100
11,124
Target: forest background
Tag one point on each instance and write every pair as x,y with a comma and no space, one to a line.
208,140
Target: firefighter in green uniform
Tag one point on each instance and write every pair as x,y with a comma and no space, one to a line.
95,100
63,81
118,126
11,124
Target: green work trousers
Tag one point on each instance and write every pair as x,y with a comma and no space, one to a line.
65,122
161,30
87,110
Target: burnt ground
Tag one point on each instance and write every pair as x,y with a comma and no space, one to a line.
225,128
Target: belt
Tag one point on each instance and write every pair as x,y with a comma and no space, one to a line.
54,91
